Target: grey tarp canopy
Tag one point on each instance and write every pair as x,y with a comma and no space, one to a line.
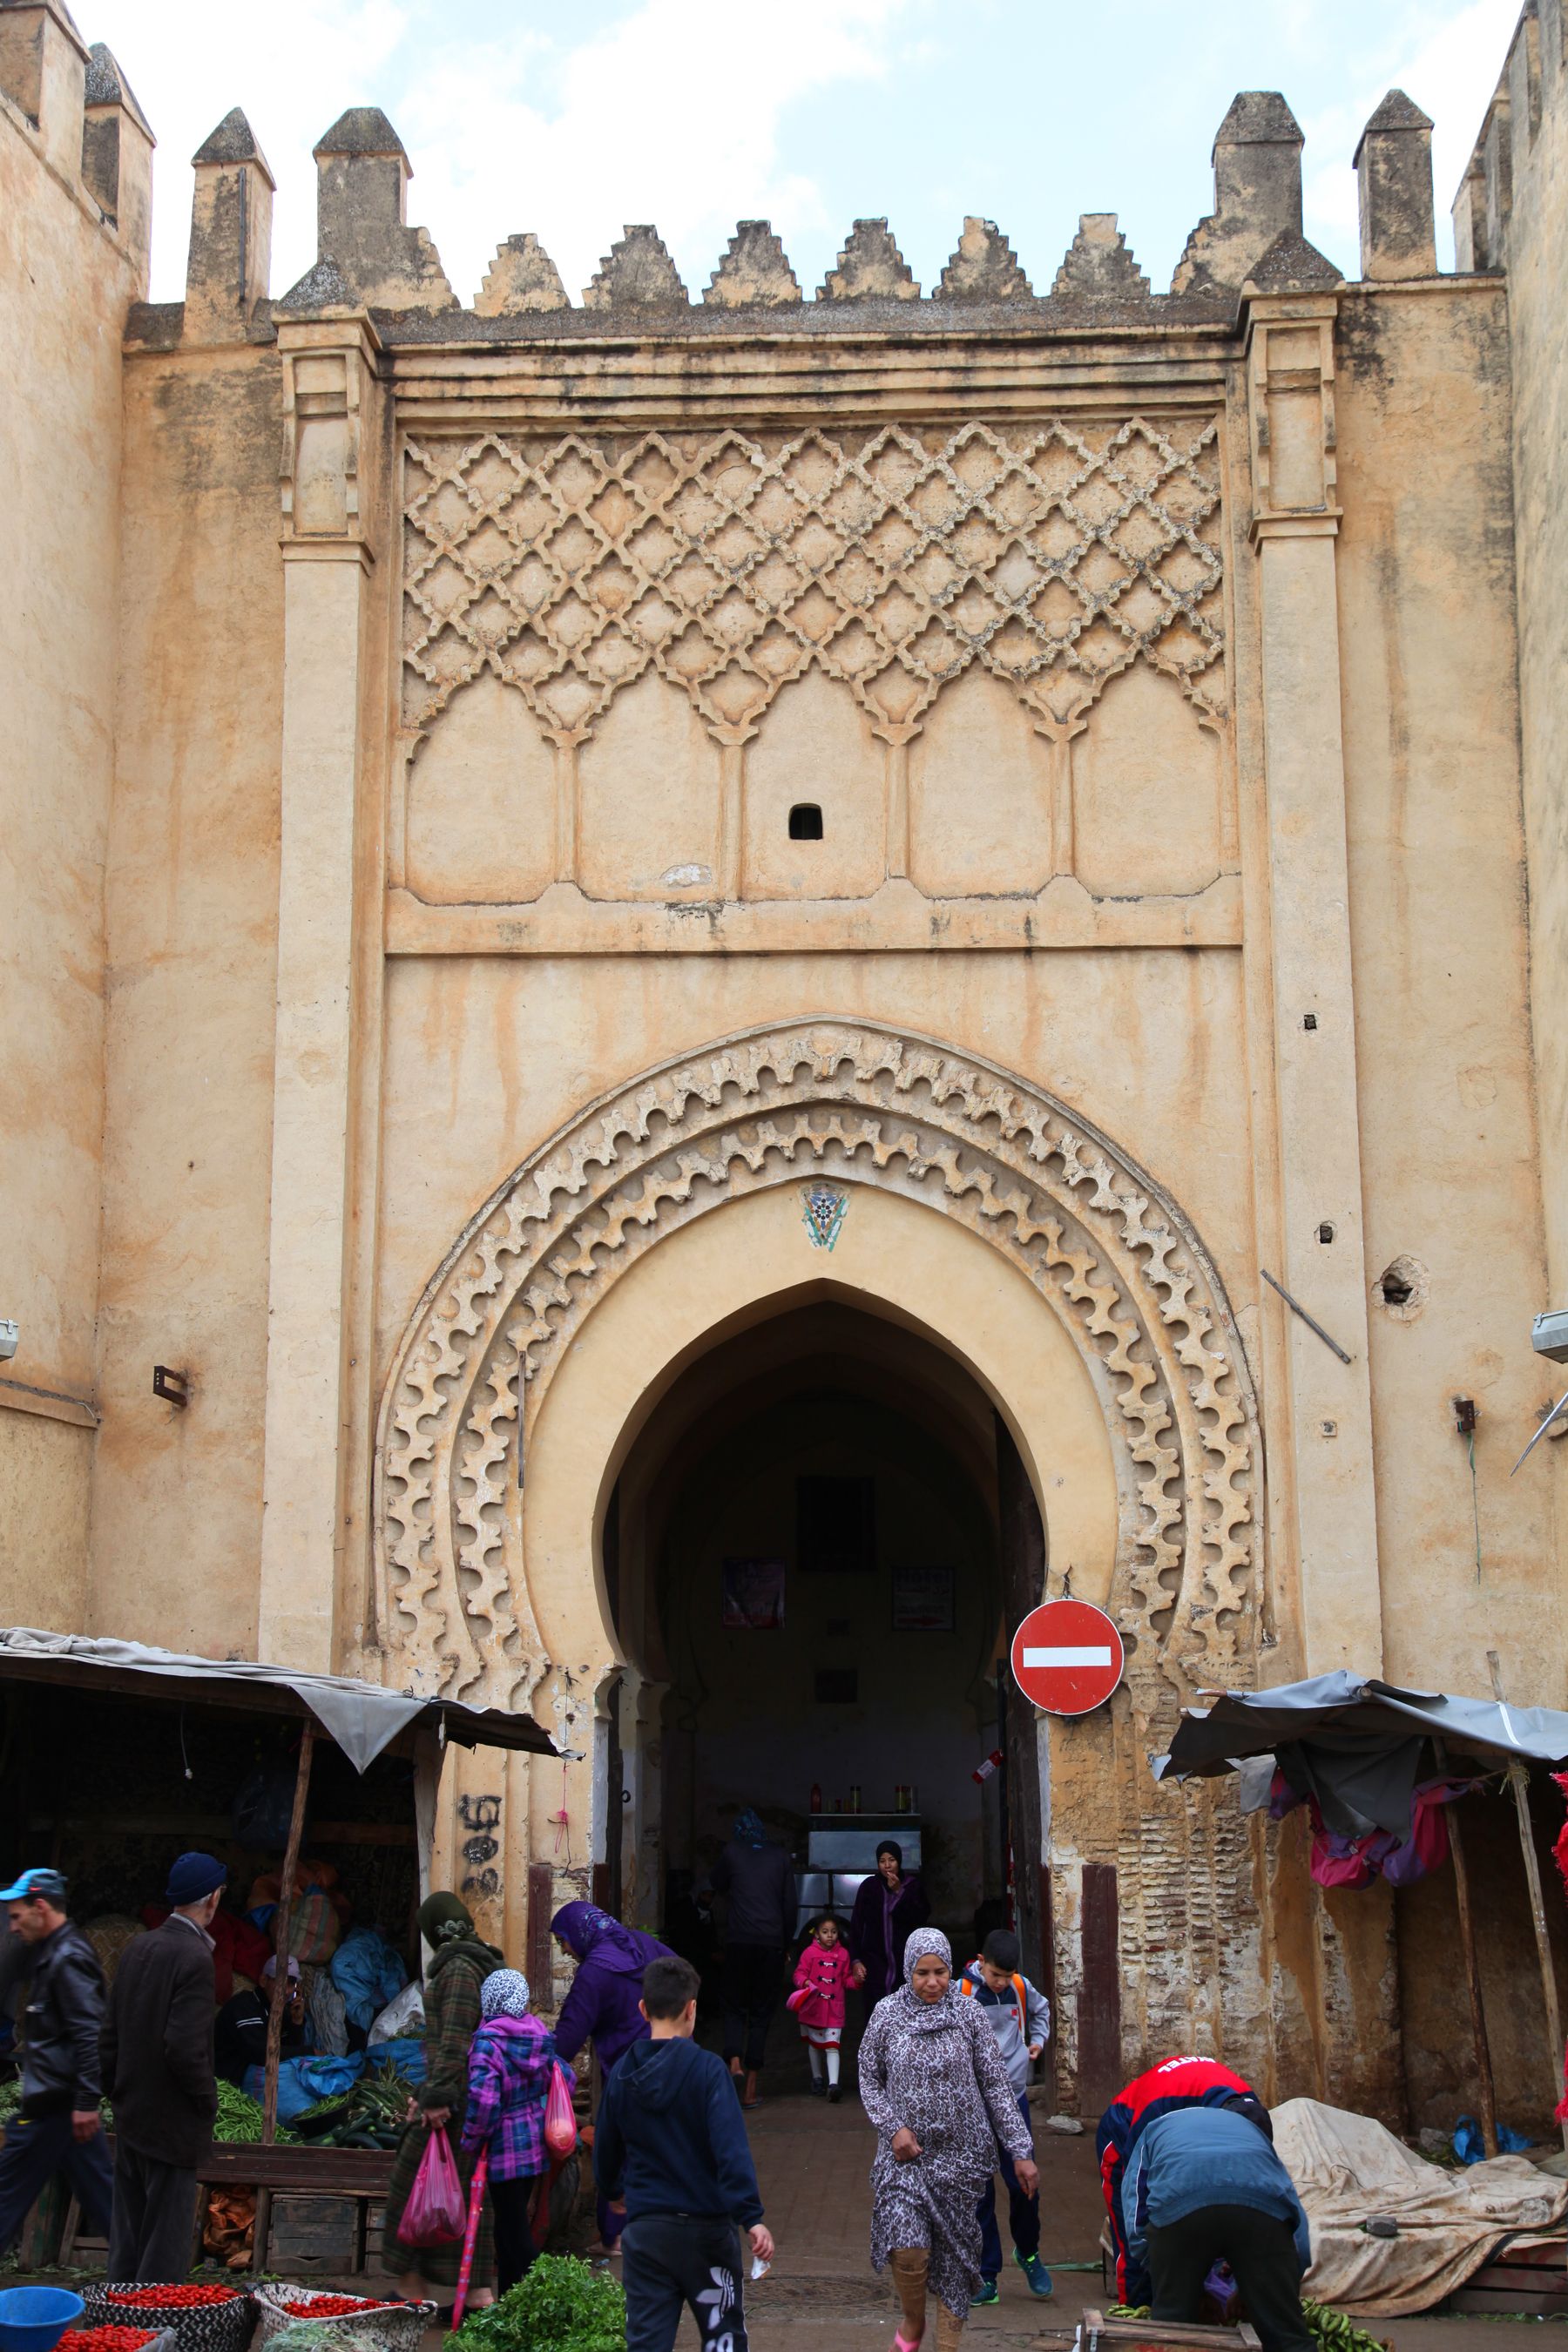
360,1717
1355,1744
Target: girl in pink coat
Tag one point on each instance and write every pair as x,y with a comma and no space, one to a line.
820,1976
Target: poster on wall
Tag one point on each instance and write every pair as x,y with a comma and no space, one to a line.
924,1600
754,1596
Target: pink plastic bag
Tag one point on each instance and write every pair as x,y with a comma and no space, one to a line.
436,2213
560,2118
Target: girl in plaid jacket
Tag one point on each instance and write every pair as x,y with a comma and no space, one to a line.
510,2062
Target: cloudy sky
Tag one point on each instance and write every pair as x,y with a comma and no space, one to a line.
574,119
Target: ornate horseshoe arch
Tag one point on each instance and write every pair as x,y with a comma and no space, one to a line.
1109,1253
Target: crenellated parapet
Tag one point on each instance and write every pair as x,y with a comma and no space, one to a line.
370,258
1518,157
77,106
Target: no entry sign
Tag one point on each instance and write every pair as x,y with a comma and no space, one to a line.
1066,1656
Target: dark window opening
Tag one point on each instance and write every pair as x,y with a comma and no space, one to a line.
837,1685
806,822
1325,1232
1310,1020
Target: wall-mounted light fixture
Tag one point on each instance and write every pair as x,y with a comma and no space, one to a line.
170,1385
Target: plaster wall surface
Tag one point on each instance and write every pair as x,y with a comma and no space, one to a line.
1536,252
193,916
1449,1144
66,282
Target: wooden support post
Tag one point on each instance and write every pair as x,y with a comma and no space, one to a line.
1487,2095
280,1985
1519,1781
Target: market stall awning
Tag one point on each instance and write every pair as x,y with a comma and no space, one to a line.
360,1717
1364,1738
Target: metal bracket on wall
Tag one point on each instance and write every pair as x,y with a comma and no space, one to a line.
170,1385
1309,1320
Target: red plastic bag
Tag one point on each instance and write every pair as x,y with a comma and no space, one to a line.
560,2118
436,2213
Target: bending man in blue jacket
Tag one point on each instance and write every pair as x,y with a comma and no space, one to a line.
670,2144
1203,2185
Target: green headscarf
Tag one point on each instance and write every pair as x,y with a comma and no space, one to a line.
444,1920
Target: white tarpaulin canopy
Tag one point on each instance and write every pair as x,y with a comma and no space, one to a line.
360,1717
1345,2167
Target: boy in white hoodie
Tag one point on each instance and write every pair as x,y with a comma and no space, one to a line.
1020,2017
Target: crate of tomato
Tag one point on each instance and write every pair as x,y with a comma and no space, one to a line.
201,2318
397,2326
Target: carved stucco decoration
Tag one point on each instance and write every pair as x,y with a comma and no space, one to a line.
1052,554
820,1101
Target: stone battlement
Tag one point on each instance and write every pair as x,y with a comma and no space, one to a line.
1520,140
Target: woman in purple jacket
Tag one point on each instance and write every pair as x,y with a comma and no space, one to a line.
602,2004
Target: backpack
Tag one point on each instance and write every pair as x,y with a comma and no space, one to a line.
968,1989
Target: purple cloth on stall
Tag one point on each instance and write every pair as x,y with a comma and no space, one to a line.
601,2005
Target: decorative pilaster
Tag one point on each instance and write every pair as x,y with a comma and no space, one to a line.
327,962
1296,517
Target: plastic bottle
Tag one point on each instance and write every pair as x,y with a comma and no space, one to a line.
816,1796
854,1796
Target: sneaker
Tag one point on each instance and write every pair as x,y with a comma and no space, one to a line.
833,2095
986,2292
818,2087
1035,2271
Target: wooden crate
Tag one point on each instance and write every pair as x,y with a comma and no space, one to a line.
1102,2334
320,2230
1530,2280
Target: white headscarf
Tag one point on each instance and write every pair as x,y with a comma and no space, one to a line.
504,1993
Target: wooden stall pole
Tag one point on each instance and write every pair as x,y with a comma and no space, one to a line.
1487,2095
262,2230
1519,1781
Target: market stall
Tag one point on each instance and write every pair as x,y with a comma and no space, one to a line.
1379,1766
318,1793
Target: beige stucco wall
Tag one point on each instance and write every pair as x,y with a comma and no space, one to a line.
67,278
1537,263
193,913
1449,1145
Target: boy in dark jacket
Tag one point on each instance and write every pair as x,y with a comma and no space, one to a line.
671,2147
57,2131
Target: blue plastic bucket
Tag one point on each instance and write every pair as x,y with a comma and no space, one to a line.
33,2318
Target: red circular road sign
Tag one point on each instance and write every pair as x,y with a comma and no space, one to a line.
1066,1656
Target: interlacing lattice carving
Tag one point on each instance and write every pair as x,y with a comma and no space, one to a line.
1054,555
847,1105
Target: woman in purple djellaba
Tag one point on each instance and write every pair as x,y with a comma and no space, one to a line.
889,1906
602,2004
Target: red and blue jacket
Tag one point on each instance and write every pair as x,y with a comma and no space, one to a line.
1174,2083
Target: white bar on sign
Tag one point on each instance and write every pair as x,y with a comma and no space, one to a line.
1093,1654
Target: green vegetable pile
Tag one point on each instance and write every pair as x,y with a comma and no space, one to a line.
239,2117
369,2115
561,2305
326,2336
1332,2331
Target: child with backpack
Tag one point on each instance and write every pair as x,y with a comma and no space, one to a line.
671,2147
822,1977
1020,2018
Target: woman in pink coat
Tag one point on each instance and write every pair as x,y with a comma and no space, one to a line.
822,1976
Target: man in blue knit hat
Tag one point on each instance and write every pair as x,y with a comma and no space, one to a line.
158,2070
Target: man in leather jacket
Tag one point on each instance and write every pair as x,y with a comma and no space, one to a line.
58,2129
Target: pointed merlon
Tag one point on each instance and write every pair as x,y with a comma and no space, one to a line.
870,268
1098,265
984,268
1397,112
322,287
1258,118
755,269
107,86
362,130
521,278
233,142
1292,266
636,274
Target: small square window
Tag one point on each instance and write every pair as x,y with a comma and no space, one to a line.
806,822
837,1685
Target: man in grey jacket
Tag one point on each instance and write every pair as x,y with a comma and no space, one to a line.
158,2062
58,2128
759,1880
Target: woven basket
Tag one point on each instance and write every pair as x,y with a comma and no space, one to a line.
397,2326
208,2328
